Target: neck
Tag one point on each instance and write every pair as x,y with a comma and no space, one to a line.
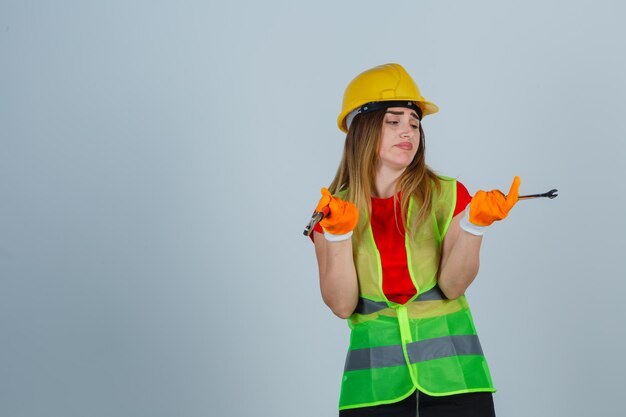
386,179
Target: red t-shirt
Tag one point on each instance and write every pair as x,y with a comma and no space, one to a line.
389,237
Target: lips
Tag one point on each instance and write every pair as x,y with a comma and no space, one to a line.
407,146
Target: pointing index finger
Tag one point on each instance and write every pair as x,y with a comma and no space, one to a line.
511,198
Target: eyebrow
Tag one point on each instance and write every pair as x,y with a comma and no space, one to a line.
400,113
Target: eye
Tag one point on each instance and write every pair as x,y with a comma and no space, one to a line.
392,122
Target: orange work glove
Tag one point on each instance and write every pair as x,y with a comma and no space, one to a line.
487,207
340,219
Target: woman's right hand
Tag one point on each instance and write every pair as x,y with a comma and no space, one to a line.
340,218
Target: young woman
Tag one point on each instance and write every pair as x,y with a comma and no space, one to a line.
396,250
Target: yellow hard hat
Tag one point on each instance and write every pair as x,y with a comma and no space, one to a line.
384,83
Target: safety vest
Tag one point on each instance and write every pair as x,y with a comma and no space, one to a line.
429,343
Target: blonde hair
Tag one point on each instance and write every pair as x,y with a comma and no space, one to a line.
357,171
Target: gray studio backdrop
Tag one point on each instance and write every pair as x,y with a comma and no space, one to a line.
159,160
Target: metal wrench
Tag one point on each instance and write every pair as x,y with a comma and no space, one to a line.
315,219
550,194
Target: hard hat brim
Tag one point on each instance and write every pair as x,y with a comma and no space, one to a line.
426,106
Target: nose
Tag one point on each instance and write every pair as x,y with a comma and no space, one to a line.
407,131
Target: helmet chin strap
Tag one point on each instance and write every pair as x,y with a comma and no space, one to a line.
377,105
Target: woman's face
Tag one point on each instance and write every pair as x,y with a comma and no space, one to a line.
400,138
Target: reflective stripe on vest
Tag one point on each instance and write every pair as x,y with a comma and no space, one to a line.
424,350
366,306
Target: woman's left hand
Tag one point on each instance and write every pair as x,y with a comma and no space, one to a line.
487,207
